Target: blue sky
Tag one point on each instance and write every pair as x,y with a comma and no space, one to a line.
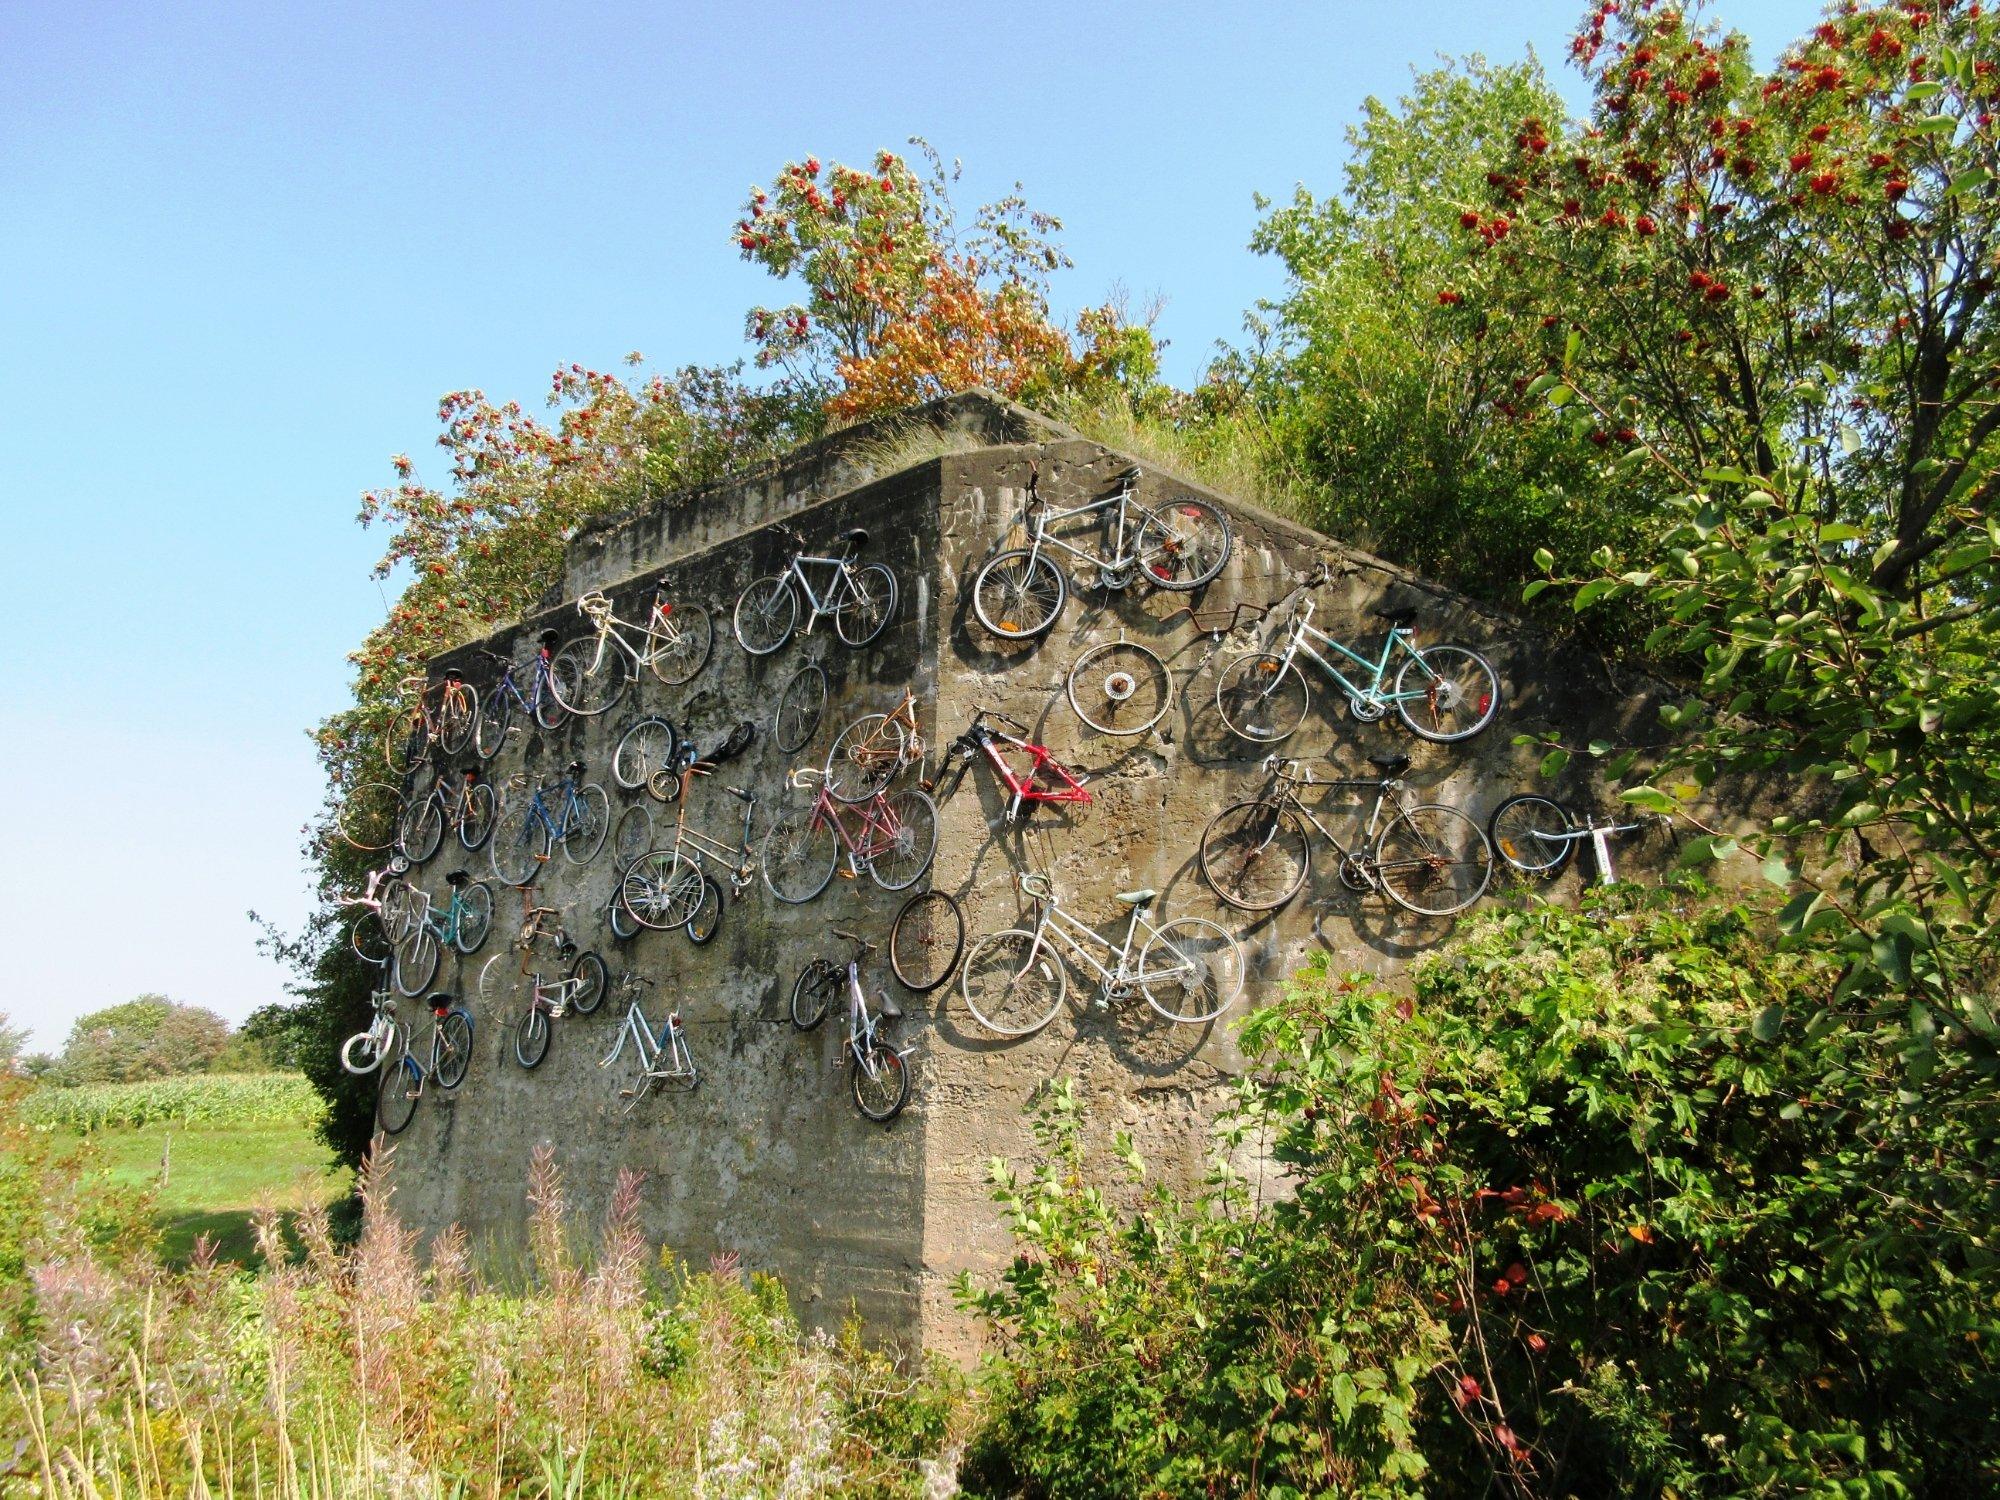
245,250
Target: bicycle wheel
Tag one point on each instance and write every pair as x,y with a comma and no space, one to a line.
400,741
800,852
1120,688
1254,855
900,851
417,961
531,1037
549,712
398,911
622,925
707,919
458,718
865,757
590,821
869,606
370,941
881,1083
476,826
926,940
813,993
495,719
1459,692
634,834
676,658
422,830
475,918
451,1049
1019,595
589,675
642,750
370,815
1529,832
1433,860
520,845
492,983
588,993
799,708
361,1054
1191,970
661,889
1261,697
766,614
1183,544
396,1094
1012,984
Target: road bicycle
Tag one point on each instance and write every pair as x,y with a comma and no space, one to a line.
1046,779
1190,969
404,1079
1019,594
860,599
592,672
880,1073
1120,688
1428,859
926,940
573,813
464,805
381,901
1538,836
671,886
370,816
1443,693
800,706
365,1051
868,753
889,838
539,703
645,748
548,1000
449,725
663,1055
464,923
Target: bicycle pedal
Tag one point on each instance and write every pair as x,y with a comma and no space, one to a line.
848,874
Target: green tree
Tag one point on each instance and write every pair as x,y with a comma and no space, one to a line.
150,1037
270,1039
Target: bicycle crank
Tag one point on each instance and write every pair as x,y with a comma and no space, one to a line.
1367,710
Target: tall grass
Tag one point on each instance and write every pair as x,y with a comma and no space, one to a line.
1230,456
191,1099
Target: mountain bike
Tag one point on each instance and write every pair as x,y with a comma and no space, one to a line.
644,748
404,1078
880,1074
671,886
496,714
926,940
663,1055
592,672
1120,688
365,1051
1443,693
548,1000
1428,859
1538,836
1190,970
800,706
449,725
464,805
573,813
1019,594
890,838
1046,779
860,599
868,753
467,918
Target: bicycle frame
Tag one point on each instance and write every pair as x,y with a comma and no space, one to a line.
661,634
444,928
572,810
1047,516
862,1024
1288,796
669,1041
837,585
1054,925
1304,633
506,684
703,847
422,1072
878,826
1022,789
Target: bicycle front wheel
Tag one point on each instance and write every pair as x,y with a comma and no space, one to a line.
476,824
1183,544
398,912
451,1049
531,1037
494,721
417,961
1531,833
643,749
458,718
475,917
1019,595
766,614
681,650
586,984
588,675
1261,697
800,852
369,941
865,757
590,820
520,845
1255,855
1013,984
881,1083
1455,693
1120,687
870,604
362,1053
926,940
800,707
900,846
813,993
396,1095
422,830
1191,970
549,712
661,889
370,815
1433,860
401,742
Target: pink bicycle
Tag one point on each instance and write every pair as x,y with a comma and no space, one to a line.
889,836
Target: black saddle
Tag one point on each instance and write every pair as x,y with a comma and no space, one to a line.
1399,616
575,769
857,538
1390,765
457,877
550,638
891,1011
452,674
1123,474
441,1003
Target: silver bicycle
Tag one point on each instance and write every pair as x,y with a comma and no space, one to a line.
1538,836
1189,969
663,1056
880,1073
861,597
592,672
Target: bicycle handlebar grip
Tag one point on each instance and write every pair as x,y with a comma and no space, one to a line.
737,791
841,932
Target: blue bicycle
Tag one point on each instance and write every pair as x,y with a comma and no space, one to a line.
496,713
404,1078
573,813
421,933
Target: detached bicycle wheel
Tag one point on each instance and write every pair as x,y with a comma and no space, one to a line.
800,852
1012,985
589,977
800,706
1183,544
1531,833
1457,693
1120,687
766,614
451,1049
1433,860
881,1083
1191,970
676,658
1255,855
632,836
1019,595
368,940
869,606
926,940
813,993
370,815
643,749
1261,697
396,1094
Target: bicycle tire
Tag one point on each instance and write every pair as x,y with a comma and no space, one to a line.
451,1049
519,846
1262,697
684,657
396,1093
475,918
588,971
800,708
867,609
799,856
994,989
767,612
494,722
1255,855
1126,687
594,822
370,816
548,711
881,1083
1205,978
1183,544
707,919
589,675
491,985
644,748
926,940
417,961
369,940
623,927
362,1044
862,760
813,991
660,889
1516,830
481,807
916,818
633,836
400,737
531,1037
1019,594
422,830
458,717
1437,851
1470,680
397,912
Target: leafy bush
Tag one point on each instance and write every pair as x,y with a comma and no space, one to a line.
203,1098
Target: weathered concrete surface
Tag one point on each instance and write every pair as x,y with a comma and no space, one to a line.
769,1158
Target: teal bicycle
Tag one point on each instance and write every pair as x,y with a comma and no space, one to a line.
421,934
404,1078
573,813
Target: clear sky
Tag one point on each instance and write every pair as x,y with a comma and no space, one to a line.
243,248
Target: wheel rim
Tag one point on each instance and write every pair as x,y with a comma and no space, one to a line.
1433,861
871,600
1011,989
1256,698
911,845
531,1040
1254,856
1018,597
1523,834
1207,967
792,870
1120,688
765,615
800,707
924,944
687,653
642,751
1183,544
1460,693
881,1083
635,833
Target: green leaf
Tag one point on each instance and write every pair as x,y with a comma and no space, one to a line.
1545,559
1554,761
1561,395
1840,531
1536,587
1934,125
1965,182
1850,440
1651,798
1571,346
1795,913
1777,871
1770,1021
1592,591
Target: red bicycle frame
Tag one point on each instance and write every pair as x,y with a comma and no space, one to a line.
1047,779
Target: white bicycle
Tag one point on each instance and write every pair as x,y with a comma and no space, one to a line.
591,673
860,597
363,1052
663,1054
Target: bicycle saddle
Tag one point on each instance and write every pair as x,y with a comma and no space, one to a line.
1390,765
441,1003
550,638
891,1011
1400,616
1131,473
457,877
452,674
575,769
1136,898
855,538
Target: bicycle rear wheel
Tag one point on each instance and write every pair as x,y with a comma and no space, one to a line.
398,911
370,815
678,656
422,830
1433,860
800,852
1183,544
494,721
881,1082
1530,832
475,917
926,940
661,889
396,1094
451,1049
767,612
1191,970
800,706
1120,688
587,992
589,675
1012,984
417,960
1255,855
458,717
531,1037
476,826
900,852
865,757
1261,697
643,749
590,820
1459,693
401,741
520,845
869,606
813,993
1019,595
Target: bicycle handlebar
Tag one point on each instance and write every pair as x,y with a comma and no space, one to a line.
994,713
804,777
1033,883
